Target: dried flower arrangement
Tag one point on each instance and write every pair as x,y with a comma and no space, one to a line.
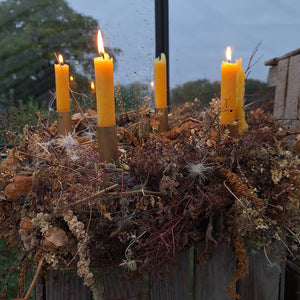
196,182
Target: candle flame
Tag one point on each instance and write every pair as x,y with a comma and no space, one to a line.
228,54
92,85
100,43
152,83
60,59
71,78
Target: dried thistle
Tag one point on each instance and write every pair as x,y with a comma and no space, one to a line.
201,170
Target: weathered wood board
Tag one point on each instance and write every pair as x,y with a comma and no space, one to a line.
175,284
264,281
212,278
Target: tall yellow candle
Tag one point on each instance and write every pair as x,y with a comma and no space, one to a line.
62,85
232,93
160,79
104,84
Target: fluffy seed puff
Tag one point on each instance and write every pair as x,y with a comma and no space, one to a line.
200,170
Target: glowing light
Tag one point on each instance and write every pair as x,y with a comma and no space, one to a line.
60,59
71,78
228,54
100,43
92,85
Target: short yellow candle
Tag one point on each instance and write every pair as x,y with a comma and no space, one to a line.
160,79
232,93
62,85
104,84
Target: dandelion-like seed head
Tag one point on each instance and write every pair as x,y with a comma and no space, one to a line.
200,170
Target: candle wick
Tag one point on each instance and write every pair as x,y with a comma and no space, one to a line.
101,53
228,60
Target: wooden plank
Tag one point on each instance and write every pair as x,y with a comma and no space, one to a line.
175,285
61,286
290,125
275,60
116,285
293,89
39,288
262,282
212,278
281,88
272,75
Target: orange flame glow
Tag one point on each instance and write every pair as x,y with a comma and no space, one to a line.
92,85
228,54
60,59
100,43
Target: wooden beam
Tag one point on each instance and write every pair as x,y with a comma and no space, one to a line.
274,61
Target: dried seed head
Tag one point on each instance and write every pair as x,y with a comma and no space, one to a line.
27,225
54,238
200,170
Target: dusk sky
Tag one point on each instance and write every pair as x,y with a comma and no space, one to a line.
200,31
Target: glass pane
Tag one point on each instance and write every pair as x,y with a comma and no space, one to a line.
128,25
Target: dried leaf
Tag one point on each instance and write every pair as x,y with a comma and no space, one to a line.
102,210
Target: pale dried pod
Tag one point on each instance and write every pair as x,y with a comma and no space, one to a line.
27,225
54,238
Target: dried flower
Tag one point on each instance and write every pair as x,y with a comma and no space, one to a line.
200,170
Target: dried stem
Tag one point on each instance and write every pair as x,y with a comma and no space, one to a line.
95,195
250,63
290,132
35,277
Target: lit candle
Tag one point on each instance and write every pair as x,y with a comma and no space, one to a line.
160,79
232,93
104,86
62,85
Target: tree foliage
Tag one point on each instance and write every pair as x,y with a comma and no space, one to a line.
202,89
130,97
31,31
256,90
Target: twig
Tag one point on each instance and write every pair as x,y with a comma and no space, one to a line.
250,64
293,233
42,158
12,141
265,252
35,277
95,195
287,133
137,192
236,197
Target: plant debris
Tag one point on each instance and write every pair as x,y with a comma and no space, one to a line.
197,182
